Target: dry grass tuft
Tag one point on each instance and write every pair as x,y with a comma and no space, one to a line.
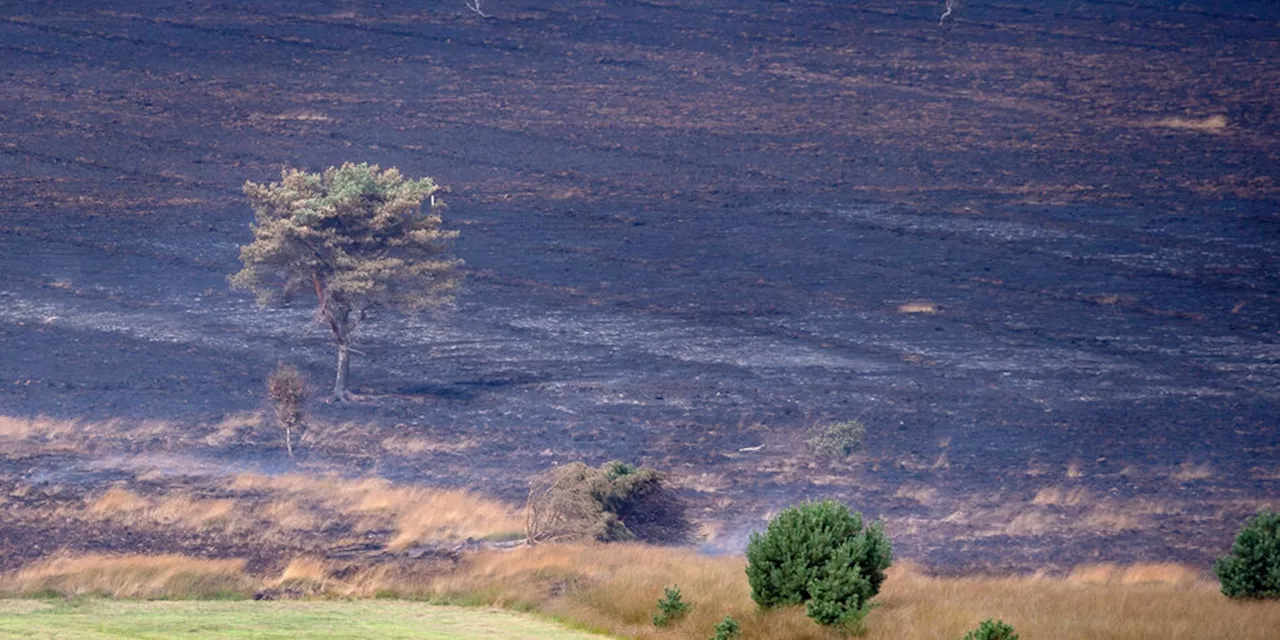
1109,299
179,511
412,446
416,513
923,494
304,512
305,569
116,501
1211,124
39,432
50,434
1075,469
1031,522
918,307
234,428
1141,573
289,515
1060,497
1111,519
1188,472
164,576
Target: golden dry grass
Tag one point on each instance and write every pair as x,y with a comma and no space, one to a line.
1112,519
131,576
1189,471
175,510
1056,510
18,429
118,500
615,588
1059,496
43,433
922,494
1141,573
416,513
412,446
1140,602
293,506
1211,124
305,568
918,307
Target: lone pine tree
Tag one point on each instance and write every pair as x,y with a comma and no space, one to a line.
357,238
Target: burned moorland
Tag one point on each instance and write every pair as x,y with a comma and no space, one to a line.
1034,249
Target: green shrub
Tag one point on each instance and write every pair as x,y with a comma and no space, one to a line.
728,629
821,555
1253,568
838,438
671,607
992,630
840,594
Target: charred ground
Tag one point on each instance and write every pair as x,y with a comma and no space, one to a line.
692,229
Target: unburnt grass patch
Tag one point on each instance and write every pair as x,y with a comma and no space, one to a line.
612,588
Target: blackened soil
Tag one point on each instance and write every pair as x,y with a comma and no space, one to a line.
692,229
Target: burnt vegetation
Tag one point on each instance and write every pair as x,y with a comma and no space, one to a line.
1031,247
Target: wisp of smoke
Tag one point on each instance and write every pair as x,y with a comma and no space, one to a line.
951,4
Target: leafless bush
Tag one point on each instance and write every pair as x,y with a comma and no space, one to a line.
288,392
615,502
562,505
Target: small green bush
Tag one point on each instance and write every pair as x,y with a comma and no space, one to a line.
840,594
1253,568
992,630
838,438
671,607
819,554
727,629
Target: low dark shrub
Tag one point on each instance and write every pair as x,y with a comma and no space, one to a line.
838,438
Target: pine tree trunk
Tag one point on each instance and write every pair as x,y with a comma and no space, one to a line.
344,369
288,440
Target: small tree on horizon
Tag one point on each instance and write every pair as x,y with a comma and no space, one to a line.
357,238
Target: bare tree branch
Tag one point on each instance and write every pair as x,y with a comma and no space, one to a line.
951,5
474,5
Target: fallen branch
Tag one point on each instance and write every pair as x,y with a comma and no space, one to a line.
474,5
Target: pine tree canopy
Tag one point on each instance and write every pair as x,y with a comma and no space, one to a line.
355,235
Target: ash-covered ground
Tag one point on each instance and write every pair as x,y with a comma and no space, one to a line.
1036,250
